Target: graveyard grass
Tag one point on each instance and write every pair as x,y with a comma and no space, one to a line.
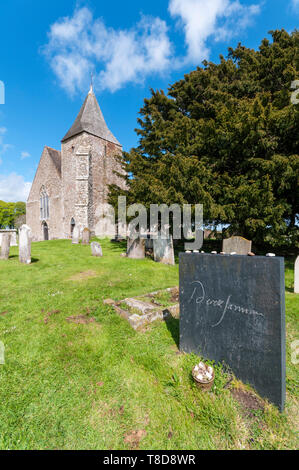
100,384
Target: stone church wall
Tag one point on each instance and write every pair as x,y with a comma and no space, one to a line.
86,179
68,169
47,176
103,165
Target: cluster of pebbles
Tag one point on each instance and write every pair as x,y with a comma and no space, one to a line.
203,373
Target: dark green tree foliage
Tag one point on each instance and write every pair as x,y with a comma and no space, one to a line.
226,136
9,212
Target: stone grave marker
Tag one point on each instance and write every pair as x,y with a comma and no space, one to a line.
232,310
239,245
136,248
163,250
86,236
296,276
13,238
76,235
5,245
25,244
96,249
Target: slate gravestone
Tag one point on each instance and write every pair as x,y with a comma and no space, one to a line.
136,248
96,249
25,244
239,245
232,310
163,250
76,235
296,276
5,245
86,236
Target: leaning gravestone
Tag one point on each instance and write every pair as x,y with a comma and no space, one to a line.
25,244
96,249
163,250
232,310
86,236
239,245
76,235
5,245
136,248
296,276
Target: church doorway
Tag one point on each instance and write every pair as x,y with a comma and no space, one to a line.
46,231
73,223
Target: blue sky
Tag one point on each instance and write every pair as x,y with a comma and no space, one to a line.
48,50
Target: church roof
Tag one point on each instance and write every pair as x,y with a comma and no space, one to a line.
55,156
90,119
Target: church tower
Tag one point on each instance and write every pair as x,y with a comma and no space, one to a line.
70,187
87,168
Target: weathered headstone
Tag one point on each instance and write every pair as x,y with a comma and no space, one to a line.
296,276
232,310
136,248
86,236
236,244
25,244
13,239
5,245
163,250
76,235
96,249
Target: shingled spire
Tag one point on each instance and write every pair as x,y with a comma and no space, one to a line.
91,120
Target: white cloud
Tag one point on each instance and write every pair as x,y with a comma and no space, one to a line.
213,20
135,54
14,188
80,44
25,154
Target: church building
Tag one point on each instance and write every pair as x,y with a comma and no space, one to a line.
70,185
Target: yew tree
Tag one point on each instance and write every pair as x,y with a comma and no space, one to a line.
226,136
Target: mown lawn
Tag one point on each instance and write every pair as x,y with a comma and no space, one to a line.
101,385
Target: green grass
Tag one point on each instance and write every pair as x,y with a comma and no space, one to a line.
91,386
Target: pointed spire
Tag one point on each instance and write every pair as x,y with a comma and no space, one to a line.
91,120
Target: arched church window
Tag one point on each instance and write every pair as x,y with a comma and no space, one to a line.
44,204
